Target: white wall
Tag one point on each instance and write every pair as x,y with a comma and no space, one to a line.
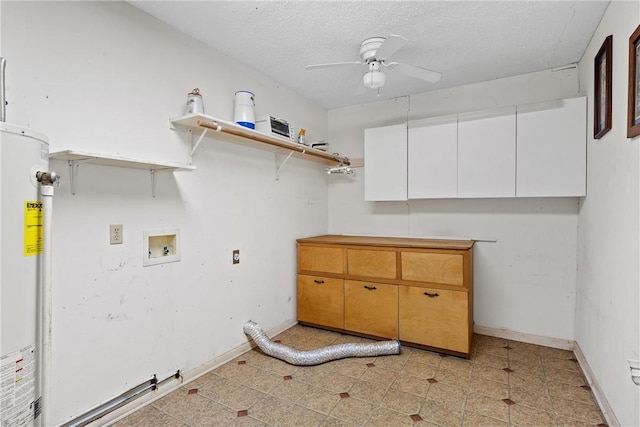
524,282
105,77
607,301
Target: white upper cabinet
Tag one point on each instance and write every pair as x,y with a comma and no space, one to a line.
385,170
536,150
433,158
487,154
552,149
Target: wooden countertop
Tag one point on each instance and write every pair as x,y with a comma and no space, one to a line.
390,241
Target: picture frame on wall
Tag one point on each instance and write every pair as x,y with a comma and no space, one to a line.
633,109
602,89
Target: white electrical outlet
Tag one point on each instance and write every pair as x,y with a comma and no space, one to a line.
115,234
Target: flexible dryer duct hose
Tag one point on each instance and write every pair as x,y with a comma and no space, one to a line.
320,355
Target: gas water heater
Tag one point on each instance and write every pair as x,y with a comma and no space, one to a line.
23,153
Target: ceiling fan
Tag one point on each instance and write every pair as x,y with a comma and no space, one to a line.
375,52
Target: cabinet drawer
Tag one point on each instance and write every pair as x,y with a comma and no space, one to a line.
429,267
371,308
434,317
379,264
321,259
321,301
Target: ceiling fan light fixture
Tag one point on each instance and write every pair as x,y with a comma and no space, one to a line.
374,79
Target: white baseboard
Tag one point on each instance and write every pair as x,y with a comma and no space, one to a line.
528,338
193,374
607,410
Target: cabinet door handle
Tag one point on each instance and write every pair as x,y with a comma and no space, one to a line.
319,282
431,295
370,288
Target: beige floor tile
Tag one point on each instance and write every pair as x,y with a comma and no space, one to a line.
410,384
216,387
482,340
336,382
185,406
239,372
523,381
380,376
493,350
270,409
578,411
490,373
532,368
487,406
447,393
425,357
350,367
564,364
154,417
383,417
564,376
453,376
569,422
570,392
369,392
401,401
240,397
320,400
290,390
536,399
492,360
441,413
471,419
334,422
523,416
313,374
301,417
419,369
264,381
524,355
224,417
392,362
136,417
354,411
489,388
556,353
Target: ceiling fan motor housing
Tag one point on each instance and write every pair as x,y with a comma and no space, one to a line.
369,47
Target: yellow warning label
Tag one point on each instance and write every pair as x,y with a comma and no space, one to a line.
33,231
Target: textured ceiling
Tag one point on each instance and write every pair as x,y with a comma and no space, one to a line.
467,41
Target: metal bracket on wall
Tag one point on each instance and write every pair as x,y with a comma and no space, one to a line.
280,164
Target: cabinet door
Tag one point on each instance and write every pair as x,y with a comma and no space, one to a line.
487,154
321,301
433,158
434,317
552,149
385,163
371,308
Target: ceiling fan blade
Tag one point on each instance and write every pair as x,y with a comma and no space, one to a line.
390,45
417,72
332,64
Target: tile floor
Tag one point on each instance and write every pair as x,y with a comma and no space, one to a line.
504,383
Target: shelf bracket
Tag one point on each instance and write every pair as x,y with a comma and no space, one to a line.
73,172
280,165
153,182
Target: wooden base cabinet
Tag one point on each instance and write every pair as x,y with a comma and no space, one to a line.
419,291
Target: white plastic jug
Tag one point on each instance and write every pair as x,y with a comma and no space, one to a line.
244,113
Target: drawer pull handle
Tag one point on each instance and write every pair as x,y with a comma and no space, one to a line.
319,282
370,288
431,295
